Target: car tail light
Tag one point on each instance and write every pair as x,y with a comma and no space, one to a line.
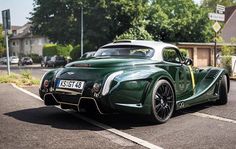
46,83
96,87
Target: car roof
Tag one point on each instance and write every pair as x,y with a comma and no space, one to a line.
158,46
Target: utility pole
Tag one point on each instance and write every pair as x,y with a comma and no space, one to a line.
82,33
6,26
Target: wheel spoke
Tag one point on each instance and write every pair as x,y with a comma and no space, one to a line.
157,97
158,105
158,110
163,101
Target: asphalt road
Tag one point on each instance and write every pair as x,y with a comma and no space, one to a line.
26,123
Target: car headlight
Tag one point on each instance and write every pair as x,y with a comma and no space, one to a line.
108,81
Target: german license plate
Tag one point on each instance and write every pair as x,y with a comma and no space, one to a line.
70,84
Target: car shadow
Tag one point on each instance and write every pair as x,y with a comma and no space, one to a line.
57,118
125,121
51,116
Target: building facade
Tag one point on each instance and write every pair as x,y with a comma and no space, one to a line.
23,42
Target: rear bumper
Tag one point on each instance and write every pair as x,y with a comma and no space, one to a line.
73,100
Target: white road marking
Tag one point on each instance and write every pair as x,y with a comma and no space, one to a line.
213,117
98,124
47,70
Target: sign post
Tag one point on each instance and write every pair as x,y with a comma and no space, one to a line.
218,16
6,26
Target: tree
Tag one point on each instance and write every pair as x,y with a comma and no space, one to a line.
103,20
211,4
176,21
2,49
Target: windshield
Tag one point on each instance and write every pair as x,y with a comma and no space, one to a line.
124,51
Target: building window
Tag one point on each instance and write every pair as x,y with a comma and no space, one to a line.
26,42
13,43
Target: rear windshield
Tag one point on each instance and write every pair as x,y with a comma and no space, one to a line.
124,51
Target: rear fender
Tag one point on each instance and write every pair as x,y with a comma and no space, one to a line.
141,97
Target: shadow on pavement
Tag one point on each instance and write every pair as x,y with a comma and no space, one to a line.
56,118
51,116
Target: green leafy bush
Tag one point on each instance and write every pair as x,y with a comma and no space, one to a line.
53,49
23,79
26,74
138,33
184,52
64,50
75,53
226,62
35,57
49,50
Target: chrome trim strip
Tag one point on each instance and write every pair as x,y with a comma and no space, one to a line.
106,86
138,105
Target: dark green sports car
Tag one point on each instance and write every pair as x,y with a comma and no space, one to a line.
144,77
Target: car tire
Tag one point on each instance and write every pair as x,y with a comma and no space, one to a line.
163,102
223,91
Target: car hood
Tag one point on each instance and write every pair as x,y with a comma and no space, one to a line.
110,62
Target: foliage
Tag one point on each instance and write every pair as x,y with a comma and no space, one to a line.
103,20
106,20
211,4
49,49
184,53
26,74
53,49
138,33
226,62
75,53
64,50
24,79
226,59
2,49
35,57
176,21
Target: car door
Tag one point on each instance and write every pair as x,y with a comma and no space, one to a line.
180,72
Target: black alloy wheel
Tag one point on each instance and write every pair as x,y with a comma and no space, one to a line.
223,91
163,101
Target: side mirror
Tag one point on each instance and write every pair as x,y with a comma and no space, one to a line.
188,61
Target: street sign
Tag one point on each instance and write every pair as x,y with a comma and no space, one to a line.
216,17
216,27
220,8
6,20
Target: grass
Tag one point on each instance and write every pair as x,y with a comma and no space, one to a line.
23,79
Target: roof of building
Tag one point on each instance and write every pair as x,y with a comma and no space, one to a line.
23,32
14,27
229,32
228,12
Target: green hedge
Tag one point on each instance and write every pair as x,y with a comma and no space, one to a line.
49,50
35,57
75,53
53,49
